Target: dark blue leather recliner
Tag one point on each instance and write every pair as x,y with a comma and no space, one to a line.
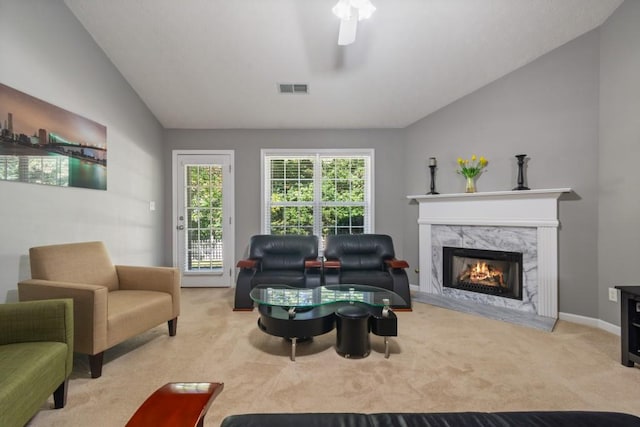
282,260
365,259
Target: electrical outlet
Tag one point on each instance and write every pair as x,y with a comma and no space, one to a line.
613,294
638,307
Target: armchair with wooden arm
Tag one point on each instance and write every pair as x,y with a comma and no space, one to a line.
366,259
277,260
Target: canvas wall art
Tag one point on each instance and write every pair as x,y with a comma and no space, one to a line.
44,144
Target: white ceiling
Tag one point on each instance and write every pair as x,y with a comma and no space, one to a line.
215,64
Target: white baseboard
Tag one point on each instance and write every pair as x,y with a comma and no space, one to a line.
590,321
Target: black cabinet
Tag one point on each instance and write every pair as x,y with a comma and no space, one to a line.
630,324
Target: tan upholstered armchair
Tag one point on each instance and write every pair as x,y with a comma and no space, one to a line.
112,303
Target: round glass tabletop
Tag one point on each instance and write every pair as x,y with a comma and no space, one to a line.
288,296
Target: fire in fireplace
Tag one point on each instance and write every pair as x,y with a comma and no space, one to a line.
484,271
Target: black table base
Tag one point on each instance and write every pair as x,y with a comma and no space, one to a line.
307,323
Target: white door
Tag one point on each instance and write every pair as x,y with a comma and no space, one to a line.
203,217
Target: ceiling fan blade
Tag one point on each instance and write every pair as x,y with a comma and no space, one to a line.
348,27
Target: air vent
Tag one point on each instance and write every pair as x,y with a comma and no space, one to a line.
293,88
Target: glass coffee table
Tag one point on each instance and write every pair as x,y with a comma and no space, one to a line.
302,313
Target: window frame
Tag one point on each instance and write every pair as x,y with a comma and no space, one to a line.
265,216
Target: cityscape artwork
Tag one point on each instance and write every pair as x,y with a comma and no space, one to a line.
44,144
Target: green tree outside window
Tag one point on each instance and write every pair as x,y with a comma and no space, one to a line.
318,194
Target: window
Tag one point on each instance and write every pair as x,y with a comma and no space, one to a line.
317,192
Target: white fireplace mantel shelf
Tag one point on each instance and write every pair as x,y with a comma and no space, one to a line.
536,209
526,208
509,194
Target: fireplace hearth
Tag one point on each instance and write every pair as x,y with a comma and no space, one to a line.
483,271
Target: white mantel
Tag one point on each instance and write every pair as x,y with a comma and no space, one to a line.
535,209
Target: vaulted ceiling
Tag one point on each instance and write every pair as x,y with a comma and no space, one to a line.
216,64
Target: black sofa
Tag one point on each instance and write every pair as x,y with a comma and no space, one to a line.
361,259
451,419
284,260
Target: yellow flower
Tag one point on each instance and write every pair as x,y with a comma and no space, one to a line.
473,167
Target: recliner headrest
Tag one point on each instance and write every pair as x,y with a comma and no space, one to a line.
263,244
338,245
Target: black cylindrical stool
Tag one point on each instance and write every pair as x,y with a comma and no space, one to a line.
352,323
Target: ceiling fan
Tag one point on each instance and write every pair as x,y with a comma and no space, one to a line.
350,12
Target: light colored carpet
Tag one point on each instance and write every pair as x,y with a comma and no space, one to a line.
442,360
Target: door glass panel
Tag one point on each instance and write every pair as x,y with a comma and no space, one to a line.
203,209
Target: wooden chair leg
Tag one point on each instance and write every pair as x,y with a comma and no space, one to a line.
95,364
60,395
173,326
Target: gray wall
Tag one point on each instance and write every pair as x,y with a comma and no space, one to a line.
619,154
389,181
47,53
548,110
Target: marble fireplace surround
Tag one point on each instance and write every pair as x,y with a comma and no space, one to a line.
518,221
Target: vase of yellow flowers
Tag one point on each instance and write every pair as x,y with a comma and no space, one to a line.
470,169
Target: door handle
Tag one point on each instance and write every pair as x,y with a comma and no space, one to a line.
180,227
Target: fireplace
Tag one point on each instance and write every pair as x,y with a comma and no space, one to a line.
484,271
523,221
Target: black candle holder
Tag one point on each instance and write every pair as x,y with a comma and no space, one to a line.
433,179
521,185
